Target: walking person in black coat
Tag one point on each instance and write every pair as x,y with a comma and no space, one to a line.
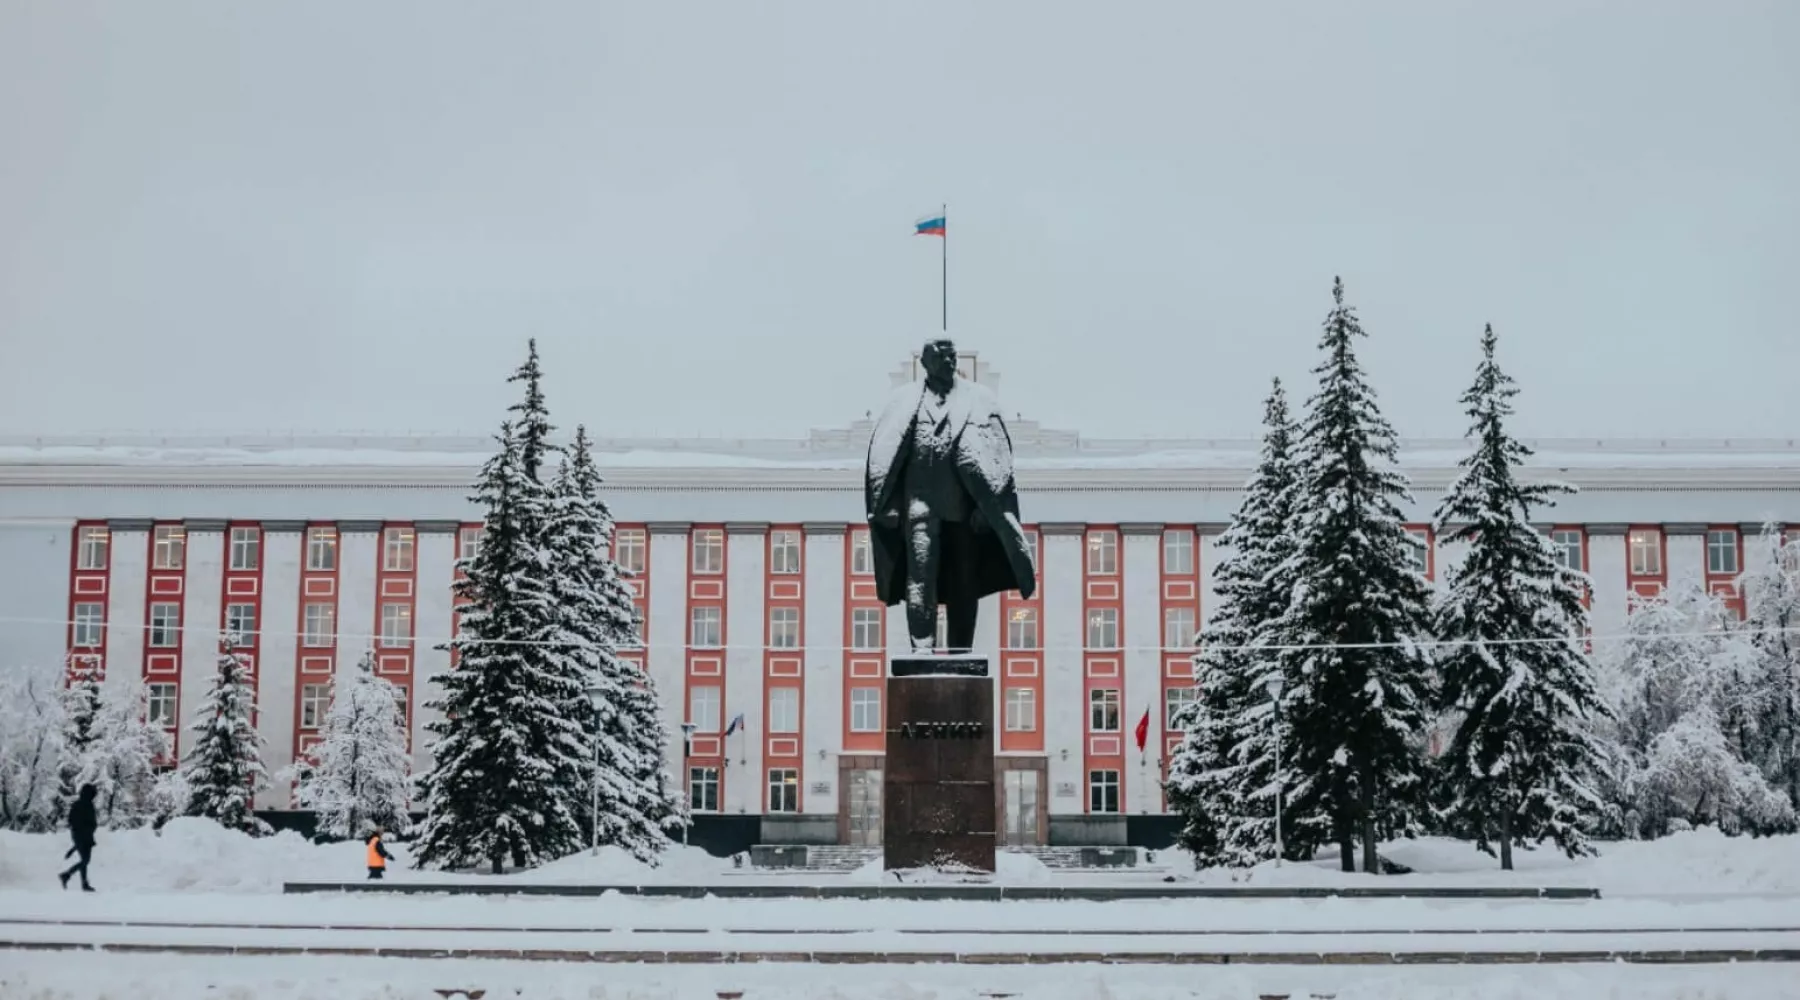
82,823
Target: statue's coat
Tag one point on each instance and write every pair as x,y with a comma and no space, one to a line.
984,464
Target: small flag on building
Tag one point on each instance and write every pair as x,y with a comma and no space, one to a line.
737,722
1143,730
930,226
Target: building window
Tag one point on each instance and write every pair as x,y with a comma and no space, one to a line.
1103,710
630,551
240,621
1103,553
1722,552
862,561
90,623
320,625
1031,547
315,701
1021,710
91,553
246,549
1103,628
397,550
865,628
705,628
468,542
160,706
703,789
703,708
784,552
1103,791
784,790
170,547
1022,629
1567,542
1176,701
784,628
396,625
321,550
865,710
784,710
1417,553
709,551
1178,628
1178,551
1646,552
165,625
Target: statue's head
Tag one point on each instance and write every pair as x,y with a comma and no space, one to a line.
939,359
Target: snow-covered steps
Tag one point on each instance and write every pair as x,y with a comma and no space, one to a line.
1082,858
749,889
812,857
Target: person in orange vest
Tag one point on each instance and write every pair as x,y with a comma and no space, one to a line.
378,855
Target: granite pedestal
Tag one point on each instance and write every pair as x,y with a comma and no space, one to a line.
938,797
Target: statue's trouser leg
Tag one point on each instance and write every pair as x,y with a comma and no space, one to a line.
922,531
957,553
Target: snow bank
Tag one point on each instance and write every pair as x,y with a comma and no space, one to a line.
1694,862
199,855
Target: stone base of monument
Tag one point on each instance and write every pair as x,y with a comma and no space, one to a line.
938,810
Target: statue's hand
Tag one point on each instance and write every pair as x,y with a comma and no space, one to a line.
889,518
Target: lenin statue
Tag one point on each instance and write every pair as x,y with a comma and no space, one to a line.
943,511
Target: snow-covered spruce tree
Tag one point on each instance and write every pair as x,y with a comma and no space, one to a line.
1675,679
224,770
624,735
504,744
33,713
1771,589
122,756
1523,762
531,428
359,775
1358,694
1221,776
81,706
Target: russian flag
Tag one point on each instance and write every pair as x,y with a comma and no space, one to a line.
932,226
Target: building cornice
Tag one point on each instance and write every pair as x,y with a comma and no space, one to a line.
1096,478
288,527
130,524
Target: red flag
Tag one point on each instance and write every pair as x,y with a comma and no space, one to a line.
1143,730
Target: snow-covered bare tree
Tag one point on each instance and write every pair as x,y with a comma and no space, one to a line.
1222,775
359,775
505,743
1676,678
122,757
1771,589
33,730
1358,687
625,736
81,706
1523,762
223,770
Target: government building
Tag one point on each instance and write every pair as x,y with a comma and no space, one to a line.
750,566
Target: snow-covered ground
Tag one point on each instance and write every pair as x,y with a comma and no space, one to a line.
192,855
154,977
198,885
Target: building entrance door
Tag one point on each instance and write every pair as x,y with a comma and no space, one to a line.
865,807
1022,790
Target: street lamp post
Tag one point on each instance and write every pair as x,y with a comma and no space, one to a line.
597,699
1273,684
687,749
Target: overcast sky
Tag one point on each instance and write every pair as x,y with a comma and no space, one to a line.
351,215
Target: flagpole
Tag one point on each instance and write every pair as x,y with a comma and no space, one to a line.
944,286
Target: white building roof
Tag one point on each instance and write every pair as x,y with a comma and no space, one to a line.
1062,477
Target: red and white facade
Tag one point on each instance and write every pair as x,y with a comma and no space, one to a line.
751,575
